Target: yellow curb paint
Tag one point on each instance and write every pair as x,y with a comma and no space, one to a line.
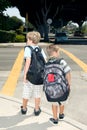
75,59
11,82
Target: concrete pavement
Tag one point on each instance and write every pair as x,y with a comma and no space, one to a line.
11,118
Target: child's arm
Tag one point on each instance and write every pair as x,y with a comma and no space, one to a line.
68,77
26,67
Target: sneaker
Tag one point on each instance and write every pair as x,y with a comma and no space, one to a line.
61,116
54,121
23,111
37,112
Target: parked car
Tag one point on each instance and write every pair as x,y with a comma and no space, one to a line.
60,37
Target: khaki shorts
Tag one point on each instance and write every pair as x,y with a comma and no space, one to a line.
30,90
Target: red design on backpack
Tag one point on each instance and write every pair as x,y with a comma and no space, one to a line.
51,77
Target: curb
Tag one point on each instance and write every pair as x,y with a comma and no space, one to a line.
21,44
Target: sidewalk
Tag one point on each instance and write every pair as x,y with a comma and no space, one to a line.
11,118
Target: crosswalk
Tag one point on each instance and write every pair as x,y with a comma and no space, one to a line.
11,82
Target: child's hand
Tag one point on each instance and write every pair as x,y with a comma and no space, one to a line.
25,81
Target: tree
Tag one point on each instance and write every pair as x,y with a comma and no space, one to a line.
39,11
10,23
3,5
7,23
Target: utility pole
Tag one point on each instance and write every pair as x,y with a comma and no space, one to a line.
26,22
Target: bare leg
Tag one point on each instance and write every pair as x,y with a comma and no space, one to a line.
24,107
37,104
61,109
25,101
55,111
61,113
54,120
37,109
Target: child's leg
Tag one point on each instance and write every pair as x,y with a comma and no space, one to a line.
27,91
25,101
61,107
55,111
37,104
61,112
54,120
37,109
24,106
37,95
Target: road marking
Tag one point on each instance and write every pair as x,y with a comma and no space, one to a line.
74,58
10,84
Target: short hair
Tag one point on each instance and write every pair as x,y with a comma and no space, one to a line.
52,48
34,36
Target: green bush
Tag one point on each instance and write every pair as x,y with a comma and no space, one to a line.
20,38
7,36
20,30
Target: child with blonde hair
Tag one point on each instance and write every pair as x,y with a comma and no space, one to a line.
29,89
54,55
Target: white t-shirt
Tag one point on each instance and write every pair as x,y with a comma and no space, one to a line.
65,66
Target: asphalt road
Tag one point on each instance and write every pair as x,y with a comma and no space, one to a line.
76,105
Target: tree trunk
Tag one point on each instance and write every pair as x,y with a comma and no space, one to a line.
41,30
46,31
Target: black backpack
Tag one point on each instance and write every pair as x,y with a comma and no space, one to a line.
35,72
55,84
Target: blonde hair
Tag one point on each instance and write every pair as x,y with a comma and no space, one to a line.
52,48
34,36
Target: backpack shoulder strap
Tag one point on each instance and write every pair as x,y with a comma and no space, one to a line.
31,48
55,60
59,60
36,48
